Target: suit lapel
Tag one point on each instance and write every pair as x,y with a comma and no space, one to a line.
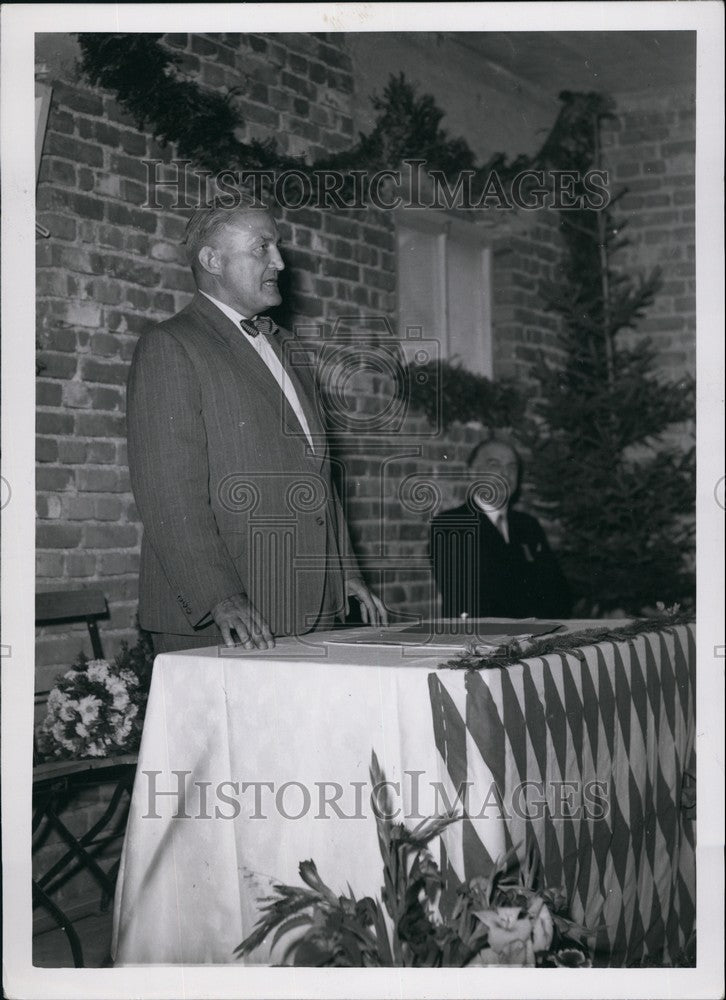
283,345
293,357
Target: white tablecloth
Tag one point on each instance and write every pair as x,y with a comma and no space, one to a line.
304,712
295,726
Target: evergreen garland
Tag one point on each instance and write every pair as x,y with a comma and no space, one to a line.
446,392
148,82
622,497
515,652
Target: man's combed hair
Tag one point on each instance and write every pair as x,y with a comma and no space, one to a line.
206,223
494,437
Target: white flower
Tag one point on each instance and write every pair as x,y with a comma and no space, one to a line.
542,925
121,729
121,700
504,926
67,710
97,670
88,708
58,731
81,729
55,699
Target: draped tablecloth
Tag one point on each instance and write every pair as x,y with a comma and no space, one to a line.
253,762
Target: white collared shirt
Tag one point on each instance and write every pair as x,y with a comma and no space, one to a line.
265,350
498,519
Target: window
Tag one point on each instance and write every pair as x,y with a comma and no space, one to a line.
444,285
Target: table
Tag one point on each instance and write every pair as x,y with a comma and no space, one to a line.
594,746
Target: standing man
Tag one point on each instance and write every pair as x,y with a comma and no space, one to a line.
489,560
244,535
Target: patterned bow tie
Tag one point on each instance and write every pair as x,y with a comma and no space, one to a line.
262,324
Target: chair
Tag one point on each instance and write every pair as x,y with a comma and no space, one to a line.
56,782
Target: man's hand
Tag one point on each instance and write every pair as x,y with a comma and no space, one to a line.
238,614
371,607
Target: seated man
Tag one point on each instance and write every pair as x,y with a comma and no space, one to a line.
489,560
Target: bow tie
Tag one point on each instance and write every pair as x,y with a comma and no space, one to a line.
262,324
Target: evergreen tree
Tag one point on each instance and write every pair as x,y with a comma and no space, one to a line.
601,461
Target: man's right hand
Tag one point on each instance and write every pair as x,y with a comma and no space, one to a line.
237,614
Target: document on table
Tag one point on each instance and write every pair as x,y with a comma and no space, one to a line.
450,633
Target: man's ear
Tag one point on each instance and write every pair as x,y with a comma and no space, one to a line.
209,259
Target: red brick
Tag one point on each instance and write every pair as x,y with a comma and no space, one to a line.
53,422
48,564
340,269
108,508
101,132
61,227
46,449
50,479
134,143
47,393
57,536
76,395
77,99
110,536
101,452
71,451
105,344
48,507
108,398
107,372
57,171
103,425
121,215
118,563
79,564
78,507
70,148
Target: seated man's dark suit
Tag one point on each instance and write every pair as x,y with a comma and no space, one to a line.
479,574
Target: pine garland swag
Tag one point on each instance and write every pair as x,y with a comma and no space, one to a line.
148,81
572,644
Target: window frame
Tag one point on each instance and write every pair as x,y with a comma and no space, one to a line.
442,226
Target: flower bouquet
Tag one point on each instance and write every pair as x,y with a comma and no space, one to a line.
500,919
96,709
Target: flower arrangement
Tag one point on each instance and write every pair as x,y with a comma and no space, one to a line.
500,919
96,709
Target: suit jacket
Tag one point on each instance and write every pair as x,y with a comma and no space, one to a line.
480,574
230,496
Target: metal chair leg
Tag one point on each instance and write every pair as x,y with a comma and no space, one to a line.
41,898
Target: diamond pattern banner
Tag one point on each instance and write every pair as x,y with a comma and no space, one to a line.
589,758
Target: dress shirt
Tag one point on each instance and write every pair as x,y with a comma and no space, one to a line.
265,350
498,519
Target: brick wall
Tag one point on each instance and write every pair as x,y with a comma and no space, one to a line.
111,267
650,149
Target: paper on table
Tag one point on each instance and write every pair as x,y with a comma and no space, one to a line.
450,633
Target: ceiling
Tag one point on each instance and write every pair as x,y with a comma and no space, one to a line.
613,61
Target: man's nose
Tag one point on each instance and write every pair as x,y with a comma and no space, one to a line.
276,260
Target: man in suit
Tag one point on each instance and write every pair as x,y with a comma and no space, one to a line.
244,535
489,560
